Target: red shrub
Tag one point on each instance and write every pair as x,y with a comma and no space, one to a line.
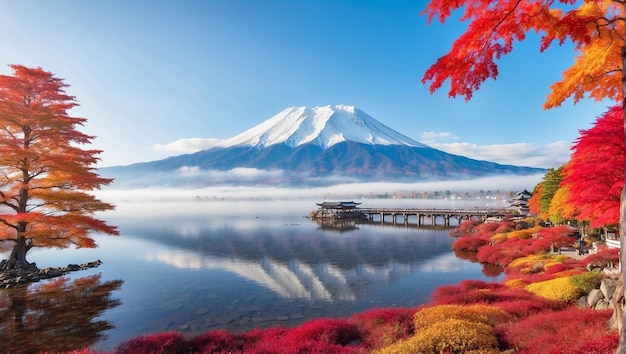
522,308
602,344
487,228
466,292
467,227
567,264
504,226
218,341
302,347
470,243
536,246
604,257
564,331
157,343
316,336
381,327
327,330
501,254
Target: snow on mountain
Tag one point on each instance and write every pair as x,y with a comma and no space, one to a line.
322,126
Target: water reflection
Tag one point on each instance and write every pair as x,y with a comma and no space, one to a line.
193,270
298,262
58,315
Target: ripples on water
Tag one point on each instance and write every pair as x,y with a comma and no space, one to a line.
199,266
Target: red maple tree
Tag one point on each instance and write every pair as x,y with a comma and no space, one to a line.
595,171
45,175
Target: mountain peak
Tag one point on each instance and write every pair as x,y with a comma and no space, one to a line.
323,126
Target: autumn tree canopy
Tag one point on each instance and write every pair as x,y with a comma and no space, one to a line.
596,28
46,175
595,171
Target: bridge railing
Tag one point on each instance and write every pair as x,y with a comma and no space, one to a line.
434,211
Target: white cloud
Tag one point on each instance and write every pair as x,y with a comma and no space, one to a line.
187,146
519,154
239,174
431,137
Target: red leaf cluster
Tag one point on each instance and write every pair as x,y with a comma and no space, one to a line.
595,173
358,334
571,331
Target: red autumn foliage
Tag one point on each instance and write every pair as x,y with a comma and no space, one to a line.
504,253
596,151
570,331
302,347
604,257
380,327
476,227
327,330
166,342
559,236
220,341
504,226
467,227
470,243
601,344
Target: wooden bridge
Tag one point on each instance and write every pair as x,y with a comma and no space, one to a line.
436,217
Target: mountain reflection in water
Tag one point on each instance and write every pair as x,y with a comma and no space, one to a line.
197,270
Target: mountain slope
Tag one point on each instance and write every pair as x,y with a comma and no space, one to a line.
302,146
321,126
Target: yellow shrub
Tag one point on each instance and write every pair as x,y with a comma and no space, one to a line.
473,313
499,237
522,234
516,283
448,336
531,264
560,289
528,260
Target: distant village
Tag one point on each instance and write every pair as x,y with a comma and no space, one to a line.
443,194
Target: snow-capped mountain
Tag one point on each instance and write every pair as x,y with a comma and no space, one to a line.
320,126
311,146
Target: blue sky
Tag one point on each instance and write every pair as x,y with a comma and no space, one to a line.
150,74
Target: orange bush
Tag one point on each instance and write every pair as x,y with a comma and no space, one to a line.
523,234
448,336
473,313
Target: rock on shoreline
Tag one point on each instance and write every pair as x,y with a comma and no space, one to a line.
13,277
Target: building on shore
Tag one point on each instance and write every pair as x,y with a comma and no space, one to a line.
338,210
519,202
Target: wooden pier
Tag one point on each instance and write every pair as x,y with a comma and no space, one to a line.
435,217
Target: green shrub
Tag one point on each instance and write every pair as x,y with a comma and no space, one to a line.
586,281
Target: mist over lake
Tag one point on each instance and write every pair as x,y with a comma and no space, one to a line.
201,265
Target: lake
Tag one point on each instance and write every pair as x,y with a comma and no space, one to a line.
237,265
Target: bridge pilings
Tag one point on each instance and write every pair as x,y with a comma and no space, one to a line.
436,217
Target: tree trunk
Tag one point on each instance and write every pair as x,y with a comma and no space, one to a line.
17,259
